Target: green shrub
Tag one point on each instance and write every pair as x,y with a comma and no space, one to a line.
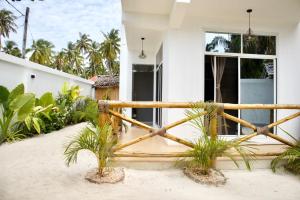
15,107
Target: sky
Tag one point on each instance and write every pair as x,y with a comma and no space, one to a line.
60,21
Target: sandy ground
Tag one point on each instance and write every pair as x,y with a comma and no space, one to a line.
34,169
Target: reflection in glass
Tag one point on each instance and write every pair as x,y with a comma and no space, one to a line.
257,87
265,45
223,42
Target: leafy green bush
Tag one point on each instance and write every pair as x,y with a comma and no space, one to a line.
15,107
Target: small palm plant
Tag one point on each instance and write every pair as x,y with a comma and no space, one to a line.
207,149
96,139
291,155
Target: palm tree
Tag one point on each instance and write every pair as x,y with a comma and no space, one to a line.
7,24
84,43
42,52
12,48
110,48
95,61
74,59
60,61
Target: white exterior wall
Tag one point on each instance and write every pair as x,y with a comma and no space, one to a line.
14,71
127,59
183,73
288,76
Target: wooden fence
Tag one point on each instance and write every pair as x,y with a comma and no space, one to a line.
112,109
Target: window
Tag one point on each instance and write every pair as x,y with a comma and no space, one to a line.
223,42
241,77
257,44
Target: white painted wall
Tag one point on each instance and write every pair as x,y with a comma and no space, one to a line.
183,73
127,59
14,71
288,78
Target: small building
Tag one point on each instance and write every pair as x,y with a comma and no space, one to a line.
106,87
202,50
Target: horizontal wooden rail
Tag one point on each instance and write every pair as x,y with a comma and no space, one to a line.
226,106
179,154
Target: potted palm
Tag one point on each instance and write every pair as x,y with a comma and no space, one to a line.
99,140
200,162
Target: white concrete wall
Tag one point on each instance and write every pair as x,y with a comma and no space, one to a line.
288,76
14,71
127,59
183,73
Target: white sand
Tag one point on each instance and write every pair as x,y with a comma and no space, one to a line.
34,169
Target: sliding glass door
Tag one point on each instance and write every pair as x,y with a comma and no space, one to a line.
257,86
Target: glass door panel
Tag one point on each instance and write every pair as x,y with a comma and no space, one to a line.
256,87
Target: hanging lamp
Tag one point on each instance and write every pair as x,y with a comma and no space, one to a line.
142,54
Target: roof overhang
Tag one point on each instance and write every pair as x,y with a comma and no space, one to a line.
145,18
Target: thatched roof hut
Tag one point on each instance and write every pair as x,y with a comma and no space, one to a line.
106,87
106,81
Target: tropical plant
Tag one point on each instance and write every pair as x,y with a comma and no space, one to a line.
110,48
7,24
86,109
12,48
206,150
42,109
83,44
96,139
291,155
74,60
60,61
65,101
95,61
15,107
42,52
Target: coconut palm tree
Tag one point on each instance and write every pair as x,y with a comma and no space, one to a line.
83,44
42,52
110,48
12,48
7,24
74,59
60,61
95,61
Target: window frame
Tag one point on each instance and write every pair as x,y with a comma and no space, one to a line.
240,56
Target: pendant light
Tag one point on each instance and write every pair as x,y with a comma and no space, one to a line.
142,54
249,31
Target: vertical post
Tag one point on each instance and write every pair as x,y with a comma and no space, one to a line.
25,32
213,127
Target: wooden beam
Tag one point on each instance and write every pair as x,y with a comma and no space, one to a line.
227,106
179,154
132,121
276,137
238,120
284,120
174,124
176,139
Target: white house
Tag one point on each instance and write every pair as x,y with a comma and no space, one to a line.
187,42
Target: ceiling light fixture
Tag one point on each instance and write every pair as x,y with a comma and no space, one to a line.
249,31
142,54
